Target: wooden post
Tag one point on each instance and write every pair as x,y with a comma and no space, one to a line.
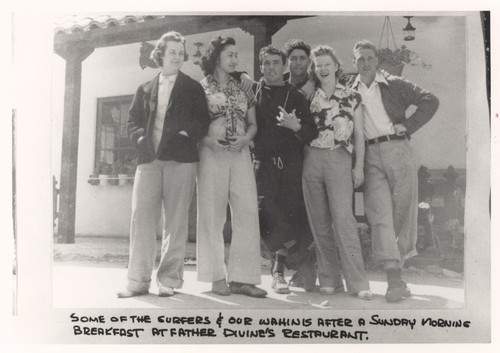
69,160
261,38
262,29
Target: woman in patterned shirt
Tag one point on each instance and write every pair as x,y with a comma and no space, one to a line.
226,175
328,178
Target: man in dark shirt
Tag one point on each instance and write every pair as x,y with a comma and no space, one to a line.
284,127
297,53
298,57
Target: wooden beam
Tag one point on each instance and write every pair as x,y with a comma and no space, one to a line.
153,29
69,158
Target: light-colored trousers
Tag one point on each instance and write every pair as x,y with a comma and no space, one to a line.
158,183
391,200
328,190
227,177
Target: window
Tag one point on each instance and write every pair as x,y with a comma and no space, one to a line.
115,153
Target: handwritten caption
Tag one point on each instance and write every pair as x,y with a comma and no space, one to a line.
230,326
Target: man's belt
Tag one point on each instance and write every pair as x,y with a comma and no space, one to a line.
385,138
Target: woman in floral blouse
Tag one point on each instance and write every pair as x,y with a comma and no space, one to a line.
328,178
226,175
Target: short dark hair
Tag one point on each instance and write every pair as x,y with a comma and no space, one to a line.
161,46
296,44
365,44
216,46
325,50
269,49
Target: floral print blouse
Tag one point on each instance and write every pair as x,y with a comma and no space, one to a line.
228,106
334,117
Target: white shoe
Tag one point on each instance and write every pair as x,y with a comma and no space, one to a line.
365,295
279,284
165,291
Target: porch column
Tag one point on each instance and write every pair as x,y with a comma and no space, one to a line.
261,38
74,57
262,29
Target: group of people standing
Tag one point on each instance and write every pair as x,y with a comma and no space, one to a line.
285,153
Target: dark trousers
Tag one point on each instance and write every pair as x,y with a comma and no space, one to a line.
282,213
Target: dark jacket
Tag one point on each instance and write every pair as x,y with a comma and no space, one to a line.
397,95
187,110
272,139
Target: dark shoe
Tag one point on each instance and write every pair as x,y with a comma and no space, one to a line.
129,294
247,289
309,277
220,288
306,276
279,284
297,280
339,288
396,294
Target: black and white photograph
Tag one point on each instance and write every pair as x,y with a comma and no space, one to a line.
253,177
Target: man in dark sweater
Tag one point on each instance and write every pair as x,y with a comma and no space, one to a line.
298,56
284,127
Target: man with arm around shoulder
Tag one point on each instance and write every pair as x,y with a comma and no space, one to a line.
390,192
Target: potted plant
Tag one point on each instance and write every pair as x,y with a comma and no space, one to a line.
105,170
394,61
122,171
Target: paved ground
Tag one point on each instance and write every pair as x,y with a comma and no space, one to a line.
89,273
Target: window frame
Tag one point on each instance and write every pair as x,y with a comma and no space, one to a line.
99,125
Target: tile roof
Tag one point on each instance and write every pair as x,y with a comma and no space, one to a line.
68,24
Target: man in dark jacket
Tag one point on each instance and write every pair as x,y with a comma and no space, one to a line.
168,116
390,173
284,127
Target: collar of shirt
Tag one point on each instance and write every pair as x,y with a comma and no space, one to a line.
264,84
171,78
211,80
379,78
322,93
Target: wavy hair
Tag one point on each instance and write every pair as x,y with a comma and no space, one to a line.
365,44
325,50
209,59
159,50
296,44
269,49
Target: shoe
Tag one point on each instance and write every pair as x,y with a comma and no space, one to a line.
309,276
365,295
327,291
340,288
247,289
129,293
165,291
297,280
279,284
396,294
332,290
220,288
